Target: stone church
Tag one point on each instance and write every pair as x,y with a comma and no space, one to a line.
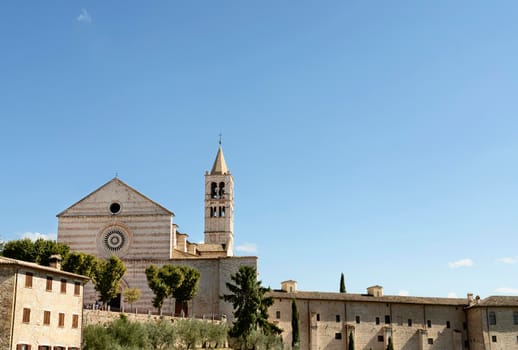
116,219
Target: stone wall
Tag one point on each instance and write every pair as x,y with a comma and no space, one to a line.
214,273
7,288
326,324
500,336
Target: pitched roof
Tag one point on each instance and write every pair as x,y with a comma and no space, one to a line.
26,264
367,298
220,166
497,301
210,247
122,183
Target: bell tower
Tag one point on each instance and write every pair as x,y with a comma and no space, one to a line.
219,205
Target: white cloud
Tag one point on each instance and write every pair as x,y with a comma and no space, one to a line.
509,260
247,248
460,263
452,295
506,290
403,293
84,17
35,235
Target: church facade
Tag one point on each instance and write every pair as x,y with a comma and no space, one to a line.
116,219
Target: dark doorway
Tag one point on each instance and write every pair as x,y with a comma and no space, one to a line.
179,308
115,303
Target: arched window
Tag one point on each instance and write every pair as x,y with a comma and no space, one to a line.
222,211
221,189
214,190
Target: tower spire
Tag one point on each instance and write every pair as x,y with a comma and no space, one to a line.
219,205
220,166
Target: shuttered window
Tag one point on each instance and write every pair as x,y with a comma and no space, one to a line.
26,315
46,317
49,283
63,286
28,281
75,321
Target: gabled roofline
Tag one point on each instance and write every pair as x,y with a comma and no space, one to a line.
115,179
34,266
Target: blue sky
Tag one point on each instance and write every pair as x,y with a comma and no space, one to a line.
374,138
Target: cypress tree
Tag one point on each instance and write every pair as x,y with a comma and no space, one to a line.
295,334
342,284
351,341
390,346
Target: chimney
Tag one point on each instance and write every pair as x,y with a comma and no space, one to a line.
55,261
471,301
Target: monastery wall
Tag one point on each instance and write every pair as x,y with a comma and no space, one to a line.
326,324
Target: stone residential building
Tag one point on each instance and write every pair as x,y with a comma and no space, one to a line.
118,220
40,307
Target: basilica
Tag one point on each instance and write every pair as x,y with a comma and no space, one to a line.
116,219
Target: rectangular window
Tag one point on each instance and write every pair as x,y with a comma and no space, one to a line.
387,319
515,317
61,320
44,347
23,347
430,341
337,318
49,283
75,321
338,336
493,338
357,319
278,315
26,315
377,320
46,317
492,318
448,325
63,286
72,348
318,317
429,323
77,288
409,322
28,281
380,338
59,348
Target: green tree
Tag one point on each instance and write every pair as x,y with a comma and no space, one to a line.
107,278
250,305
161,335
81,263
189,333
342,284
37,252
295,333
390,346
131,295
351,341
188,288
157,285
180,282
